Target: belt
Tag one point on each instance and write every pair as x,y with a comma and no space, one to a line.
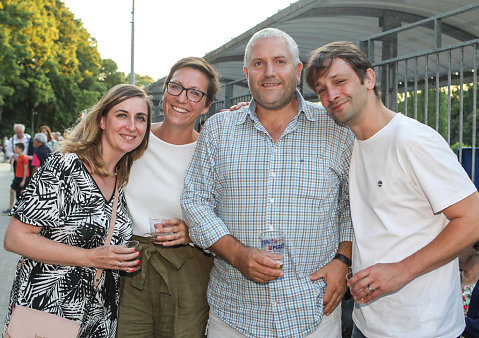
156,255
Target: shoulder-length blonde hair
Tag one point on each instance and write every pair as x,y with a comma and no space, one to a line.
84,138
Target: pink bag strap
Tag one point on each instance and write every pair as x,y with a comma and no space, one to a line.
110,231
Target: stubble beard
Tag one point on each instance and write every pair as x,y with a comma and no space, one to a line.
280,101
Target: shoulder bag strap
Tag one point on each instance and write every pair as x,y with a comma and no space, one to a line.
110,231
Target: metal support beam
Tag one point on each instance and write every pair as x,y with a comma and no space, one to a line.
437,33
389,20
228,94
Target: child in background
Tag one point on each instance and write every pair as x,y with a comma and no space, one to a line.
21,171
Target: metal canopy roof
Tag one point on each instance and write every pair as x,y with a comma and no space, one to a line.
313,23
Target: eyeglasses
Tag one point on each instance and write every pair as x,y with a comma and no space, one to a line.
175,89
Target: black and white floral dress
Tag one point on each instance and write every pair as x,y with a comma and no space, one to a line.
65,201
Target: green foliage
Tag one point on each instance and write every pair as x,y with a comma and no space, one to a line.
430,118
110,75
455,146
143,80
50,67
455,120
467,118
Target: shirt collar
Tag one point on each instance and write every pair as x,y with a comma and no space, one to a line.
250,110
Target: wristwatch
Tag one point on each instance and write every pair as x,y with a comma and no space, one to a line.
343,259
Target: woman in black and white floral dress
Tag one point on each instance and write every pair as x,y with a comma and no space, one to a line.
61,222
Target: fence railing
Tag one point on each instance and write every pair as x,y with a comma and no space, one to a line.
437,86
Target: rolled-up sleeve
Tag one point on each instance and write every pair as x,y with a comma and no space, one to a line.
201,191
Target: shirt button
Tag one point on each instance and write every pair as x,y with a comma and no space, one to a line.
271,200
273,174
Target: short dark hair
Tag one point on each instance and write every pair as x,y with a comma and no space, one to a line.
322,58
203,66
20,145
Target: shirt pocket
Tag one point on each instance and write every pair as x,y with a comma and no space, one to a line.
314,178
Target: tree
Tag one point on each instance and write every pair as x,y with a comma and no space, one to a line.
50,67
110,75
142,80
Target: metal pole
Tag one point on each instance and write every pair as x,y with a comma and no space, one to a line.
33,121
132,68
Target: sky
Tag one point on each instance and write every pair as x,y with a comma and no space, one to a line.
167,30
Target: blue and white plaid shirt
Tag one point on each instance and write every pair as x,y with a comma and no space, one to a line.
240,182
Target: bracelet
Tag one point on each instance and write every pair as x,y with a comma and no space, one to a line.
343,259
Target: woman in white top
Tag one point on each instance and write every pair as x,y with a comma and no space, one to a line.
167,297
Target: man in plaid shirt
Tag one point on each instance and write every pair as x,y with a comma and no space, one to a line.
280,163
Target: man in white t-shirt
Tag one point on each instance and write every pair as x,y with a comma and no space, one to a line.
414,208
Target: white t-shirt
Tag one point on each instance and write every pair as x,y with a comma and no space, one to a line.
156,183
400,180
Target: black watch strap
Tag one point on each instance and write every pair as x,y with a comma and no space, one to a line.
343,259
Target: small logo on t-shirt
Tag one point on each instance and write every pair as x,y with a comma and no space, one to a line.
380,184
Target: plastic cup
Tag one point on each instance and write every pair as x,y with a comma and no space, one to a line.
273,241
157,220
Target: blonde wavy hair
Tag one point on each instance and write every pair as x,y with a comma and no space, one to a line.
84,138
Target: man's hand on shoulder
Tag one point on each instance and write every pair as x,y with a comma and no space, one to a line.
235,106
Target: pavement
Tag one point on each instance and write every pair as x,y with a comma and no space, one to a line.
8,260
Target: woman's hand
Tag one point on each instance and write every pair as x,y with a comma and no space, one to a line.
175,230
115,257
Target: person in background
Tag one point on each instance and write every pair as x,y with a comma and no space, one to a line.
21,171
19,137
279,163
41,151
4,149
167,297
472,316
58,137
469,266
63,242
414,208
51,142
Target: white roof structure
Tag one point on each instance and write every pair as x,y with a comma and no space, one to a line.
313,23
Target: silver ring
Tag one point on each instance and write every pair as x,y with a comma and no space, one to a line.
177,235
370,288
120,264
